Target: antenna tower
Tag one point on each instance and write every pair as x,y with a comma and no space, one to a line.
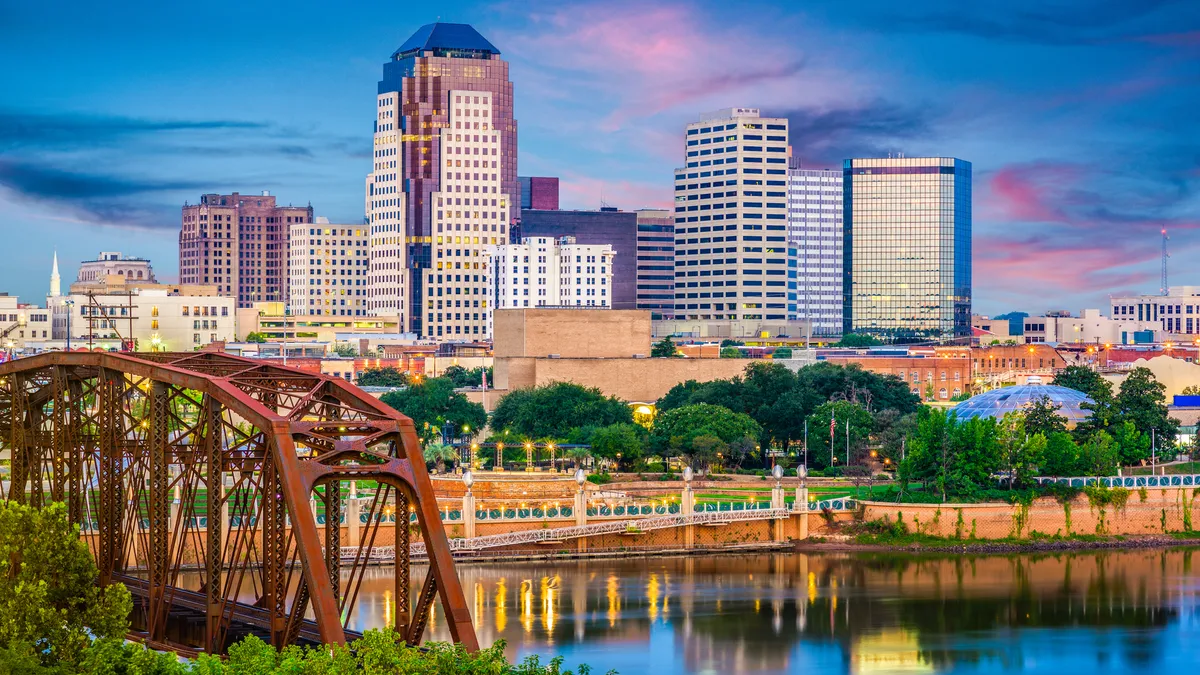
1165,255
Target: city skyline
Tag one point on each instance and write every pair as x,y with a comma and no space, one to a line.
1077,166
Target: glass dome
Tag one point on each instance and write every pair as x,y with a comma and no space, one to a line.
997,402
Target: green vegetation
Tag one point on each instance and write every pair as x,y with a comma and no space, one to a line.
345,349
782,353
554,410
255,337
731,353
433,403
383,377
859,340
704,434
462,377
663,349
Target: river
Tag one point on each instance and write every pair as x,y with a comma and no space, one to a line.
1099,612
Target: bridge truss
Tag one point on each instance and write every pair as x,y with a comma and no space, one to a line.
192,476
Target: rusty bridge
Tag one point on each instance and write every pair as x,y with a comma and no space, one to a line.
153,452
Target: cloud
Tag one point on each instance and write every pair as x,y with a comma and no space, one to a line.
829,135
23,129
585,192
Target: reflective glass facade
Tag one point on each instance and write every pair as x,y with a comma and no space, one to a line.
907,248
815,230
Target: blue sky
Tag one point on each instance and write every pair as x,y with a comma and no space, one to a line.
1080,117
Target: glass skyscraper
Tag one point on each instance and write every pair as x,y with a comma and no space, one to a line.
907,248
815,231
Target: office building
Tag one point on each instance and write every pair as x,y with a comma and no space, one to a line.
539,192
328,269
444,181
907,248
240,244
610,226
656,262
731,249
1090,327
116,263
815,231
552,272
1177,313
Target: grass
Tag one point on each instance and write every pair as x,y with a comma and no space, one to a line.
1171,469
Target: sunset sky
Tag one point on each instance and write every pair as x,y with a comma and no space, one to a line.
1082,119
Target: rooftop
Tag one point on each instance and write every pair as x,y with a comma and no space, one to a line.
446,39
997,402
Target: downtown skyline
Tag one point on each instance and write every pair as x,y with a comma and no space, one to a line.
1078,164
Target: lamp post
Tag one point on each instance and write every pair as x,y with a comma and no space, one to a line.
69,304
528,456
155,342
468,480
499,456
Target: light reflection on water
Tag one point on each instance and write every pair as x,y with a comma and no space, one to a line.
832,613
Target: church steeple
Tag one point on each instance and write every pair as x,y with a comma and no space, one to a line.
55,280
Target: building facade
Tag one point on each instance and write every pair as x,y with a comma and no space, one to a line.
328,269
617,229
1090,327
444,181
552,272
115,263
1177,314
656,262
907,248
144,319
815,231
731,249
539,192
239,243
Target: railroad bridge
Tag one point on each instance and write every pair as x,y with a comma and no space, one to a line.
154,451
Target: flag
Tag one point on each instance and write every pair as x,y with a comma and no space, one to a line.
483,377
832,425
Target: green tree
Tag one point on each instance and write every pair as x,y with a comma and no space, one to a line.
439,454
1098,456
847,417
553,410
463,377
345,349
1061,457
1041,417
432,402
674,430
1191,390
255,337
1133,446
623,443
727,342
664,348
859,340
1102,408
1142,400
955,457
782,353
1021,453
382,377
731,353
51,608
703,451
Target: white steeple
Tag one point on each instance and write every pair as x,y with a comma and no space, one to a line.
55,280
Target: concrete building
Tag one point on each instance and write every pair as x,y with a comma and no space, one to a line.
1090,327
21,324
815,231
656,262
145,318
731,248
271,321
539,192
548,272
985,330
110,263
443,187
907,251
1176,314
930,377
328,269
617,229
240,244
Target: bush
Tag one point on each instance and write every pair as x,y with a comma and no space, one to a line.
599,478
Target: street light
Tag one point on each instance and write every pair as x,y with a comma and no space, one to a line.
155,342
69,304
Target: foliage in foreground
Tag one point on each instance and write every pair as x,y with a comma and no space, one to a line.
55,620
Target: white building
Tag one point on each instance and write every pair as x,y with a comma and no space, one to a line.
815,231
327,273
548,272
731,240
1176,314
1090,327
21,324
137,270
148,319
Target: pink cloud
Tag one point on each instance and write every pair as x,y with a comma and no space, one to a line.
586,192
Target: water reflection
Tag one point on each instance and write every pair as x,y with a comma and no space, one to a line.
857,613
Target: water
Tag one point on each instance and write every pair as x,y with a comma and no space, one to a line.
1099,612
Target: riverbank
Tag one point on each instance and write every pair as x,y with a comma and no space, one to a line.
925,544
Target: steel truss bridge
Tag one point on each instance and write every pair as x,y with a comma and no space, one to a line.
148,446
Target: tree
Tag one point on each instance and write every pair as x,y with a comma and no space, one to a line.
1142,400
1061,457
1041,417
432,403
678,396
782,353
51,607
553,410
439,454
859,340
1133,446
674,430
1098,456
1021,453
664,348
623,443
703,451
255,337
845,417
955,457
727,342
345,349
731,353
1191,390
463,377
383,377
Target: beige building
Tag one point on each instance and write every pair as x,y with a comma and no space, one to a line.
1090,327
988,330
115,263
21,324
270,320
731,210
146,318
792,332
328,268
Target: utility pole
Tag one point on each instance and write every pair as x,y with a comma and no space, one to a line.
1165,255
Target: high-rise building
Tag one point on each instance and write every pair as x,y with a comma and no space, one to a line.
907,248
240,244
328,269
815,231
539,192
550,272
656,262
444,182
731,249
609,226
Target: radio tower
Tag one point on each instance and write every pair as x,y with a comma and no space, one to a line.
1165,255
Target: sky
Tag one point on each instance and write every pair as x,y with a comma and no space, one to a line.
1080,116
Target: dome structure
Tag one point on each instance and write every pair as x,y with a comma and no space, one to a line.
997,402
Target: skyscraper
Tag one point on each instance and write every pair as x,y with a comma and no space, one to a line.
907,248
731,249
328,269
444,182
240,244
815,231
656,262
